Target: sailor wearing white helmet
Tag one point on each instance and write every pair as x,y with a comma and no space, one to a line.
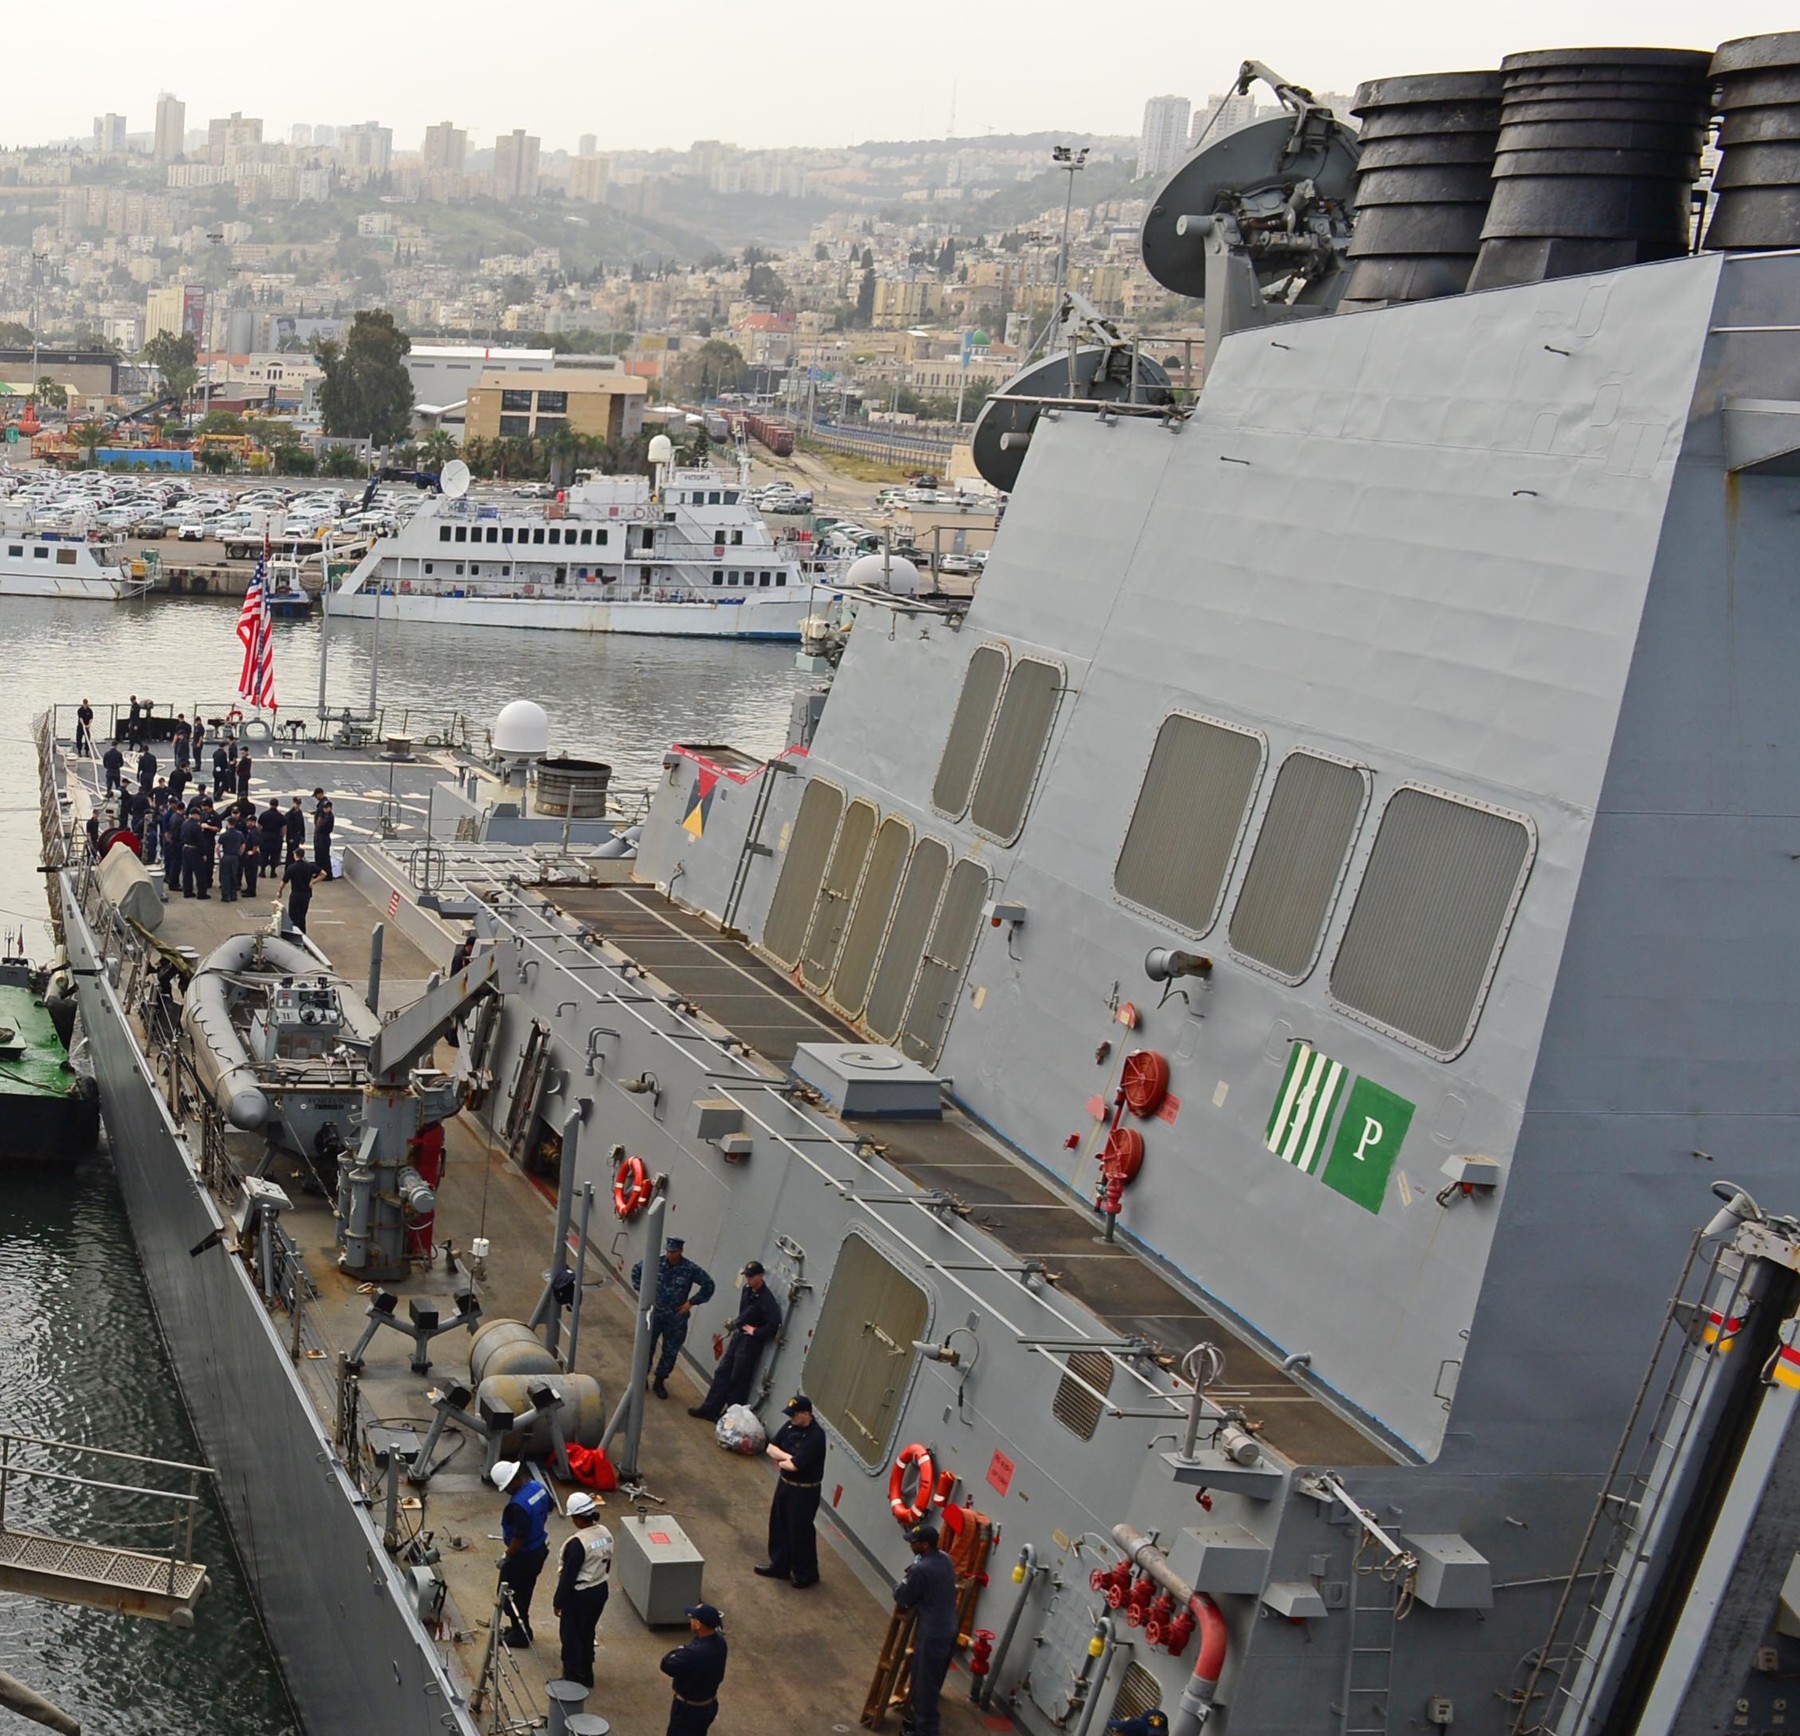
581,1587
524,1528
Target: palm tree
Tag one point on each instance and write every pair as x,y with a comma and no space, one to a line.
437,448
88,436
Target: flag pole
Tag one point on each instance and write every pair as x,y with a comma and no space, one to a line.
324,620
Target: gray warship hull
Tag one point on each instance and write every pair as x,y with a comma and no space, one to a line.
1226,1045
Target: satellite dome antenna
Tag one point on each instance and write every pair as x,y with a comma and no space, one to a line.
454,479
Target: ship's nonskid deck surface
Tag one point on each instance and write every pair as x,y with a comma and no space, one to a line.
996,1191
801,1660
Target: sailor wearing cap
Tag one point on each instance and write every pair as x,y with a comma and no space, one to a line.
525,1530
680,1286
930,1588
758,1317
581,1587
695,1671
798,1450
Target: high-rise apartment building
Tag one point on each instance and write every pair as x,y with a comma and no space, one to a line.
588,176
588,146
516,165
1164,139
1222,115
446,149
233,140
171,129
367,149
300,135
109,135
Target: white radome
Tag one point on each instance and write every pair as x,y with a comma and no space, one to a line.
662,450
885,573
522,730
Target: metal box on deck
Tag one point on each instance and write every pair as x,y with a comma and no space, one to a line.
1453,1574
658,1569
1221,1558
868,1079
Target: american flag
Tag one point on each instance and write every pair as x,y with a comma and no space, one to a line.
256,628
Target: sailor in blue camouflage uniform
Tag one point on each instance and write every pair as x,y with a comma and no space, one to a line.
681,1286
695,1672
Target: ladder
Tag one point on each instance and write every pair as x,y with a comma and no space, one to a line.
1644,1472
1369,1663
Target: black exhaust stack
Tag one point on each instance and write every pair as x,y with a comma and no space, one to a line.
1757,184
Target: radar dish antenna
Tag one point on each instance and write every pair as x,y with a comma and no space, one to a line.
454,479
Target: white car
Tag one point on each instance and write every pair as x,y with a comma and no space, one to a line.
191,531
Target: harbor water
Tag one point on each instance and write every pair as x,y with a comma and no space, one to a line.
80,1358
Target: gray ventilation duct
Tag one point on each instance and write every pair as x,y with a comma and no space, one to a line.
1596,161
1758,181
1422,185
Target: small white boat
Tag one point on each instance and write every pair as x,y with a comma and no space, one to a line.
66,563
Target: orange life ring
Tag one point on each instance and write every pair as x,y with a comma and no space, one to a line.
233,715
911,1512
631,1187
1145,1082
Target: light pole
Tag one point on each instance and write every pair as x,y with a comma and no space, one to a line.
1073,161
213,238
37,259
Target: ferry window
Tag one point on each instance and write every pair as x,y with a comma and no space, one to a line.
493,533
1430,917
559,575
718,578
474,568
712,498
731,497
732,576
781,578
1016,748
462,533
459,567
1190,813
428,566
860,1363
17,551
766,577
556,533
1298,863
537,535
737,537
969,725
600,538
506,535
587,536
556,403
443,533
41,554
514,399
65,557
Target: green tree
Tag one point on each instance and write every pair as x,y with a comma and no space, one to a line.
176,359
367,393
865,296
437,449
764,284
342,461
220,422
51,394
89,436
715,367
294,461
14,336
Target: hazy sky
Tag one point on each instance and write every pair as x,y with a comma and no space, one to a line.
828,72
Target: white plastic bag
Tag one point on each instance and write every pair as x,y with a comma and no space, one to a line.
740,1430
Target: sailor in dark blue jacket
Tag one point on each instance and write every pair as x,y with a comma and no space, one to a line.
930,1588
680,1287
695,1672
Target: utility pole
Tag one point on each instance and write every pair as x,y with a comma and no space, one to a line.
213,238
37,259
1073,161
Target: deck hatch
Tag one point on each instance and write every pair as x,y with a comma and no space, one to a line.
1189,816
969,726
802,871
862,1353
1298,862
1431,916
1016,748
869,921
1074,1406
946,962
918,903
842,876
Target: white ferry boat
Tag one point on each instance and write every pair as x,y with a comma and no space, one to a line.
63,563
683,555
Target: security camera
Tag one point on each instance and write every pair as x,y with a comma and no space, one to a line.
1162,964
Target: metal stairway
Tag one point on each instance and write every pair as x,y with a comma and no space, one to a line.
1644,1472
1375,1606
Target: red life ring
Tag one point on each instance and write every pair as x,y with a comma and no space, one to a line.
911,1512
1145,1082
233,715
631,1187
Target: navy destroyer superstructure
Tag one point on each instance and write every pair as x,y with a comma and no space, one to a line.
1228,1046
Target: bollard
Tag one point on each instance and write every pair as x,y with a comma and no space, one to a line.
566,1700
587,1724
